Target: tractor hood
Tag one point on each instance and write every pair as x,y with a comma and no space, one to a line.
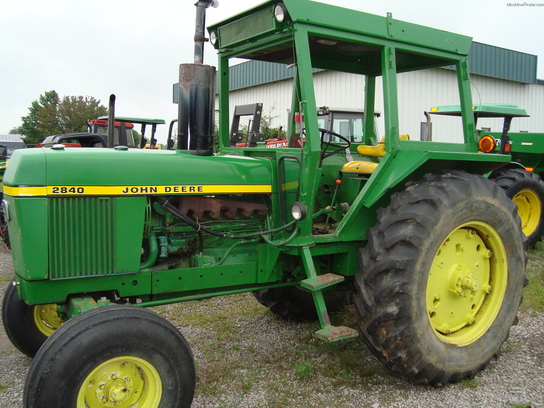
63,171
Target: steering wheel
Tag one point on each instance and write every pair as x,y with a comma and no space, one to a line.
339,147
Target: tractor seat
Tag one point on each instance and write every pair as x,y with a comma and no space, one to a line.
366,166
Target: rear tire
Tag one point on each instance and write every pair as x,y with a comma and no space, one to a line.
120,356
442,278
526,189
295,304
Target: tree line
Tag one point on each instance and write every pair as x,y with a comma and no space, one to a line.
51,115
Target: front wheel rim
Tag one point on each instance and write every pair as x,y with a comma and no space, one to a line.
121,382
467,283
47,319
529,210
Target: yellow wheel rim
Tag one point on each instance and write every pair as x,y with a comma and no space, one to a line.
46,318
121,382
529,210
467,283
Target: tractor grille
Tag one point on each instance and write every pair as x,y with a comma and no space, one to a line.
81,232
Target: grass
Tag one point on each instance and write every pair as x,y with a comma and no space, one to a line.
509,346
4,387
6,278
240,344
533,295
304,370
470,383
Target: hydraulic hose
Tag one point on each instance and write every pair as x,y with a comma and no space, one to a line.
152,252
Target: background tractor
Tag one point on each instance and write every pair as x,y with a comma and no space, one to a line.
429,251
97,134
522,179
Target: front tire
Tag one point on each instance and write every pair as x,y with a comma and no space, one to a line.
526,189
442,278
121,356
4,226
28,327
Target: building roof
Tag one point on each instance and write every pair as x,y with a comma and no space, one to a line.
11,138
502,63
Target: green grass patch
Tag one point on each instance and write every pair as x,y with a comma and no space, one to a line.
509,346
470,383
533,294
304,370
242,346
4,387
6,278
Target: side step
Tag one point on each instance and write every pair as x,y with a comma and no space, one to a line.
315,284
336,333
321,282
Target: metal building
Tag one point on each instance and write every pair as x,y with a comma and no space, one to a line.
498,75
12,142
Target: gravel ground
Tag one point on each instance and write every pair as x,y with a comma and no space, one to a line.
516,379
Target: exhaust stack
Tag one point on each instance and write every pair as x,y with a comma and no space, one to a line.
196,94
111,121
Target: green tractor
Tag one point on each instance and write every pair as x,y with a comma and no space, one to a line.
522,179
429,251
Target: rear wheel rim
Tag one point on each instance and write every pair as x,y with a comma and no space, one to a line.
464,296
529,210
121,382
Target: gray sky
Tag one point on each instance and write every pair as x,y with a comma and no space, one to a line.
133,48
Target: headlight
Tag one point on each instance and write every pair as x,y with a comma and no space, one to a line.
280,12
298,211
213,38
